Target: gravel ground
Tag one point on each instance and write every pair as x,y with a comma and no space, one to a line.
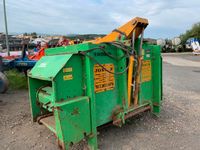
177,127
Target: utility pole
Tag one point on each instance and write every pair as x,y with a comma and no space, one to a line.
6,28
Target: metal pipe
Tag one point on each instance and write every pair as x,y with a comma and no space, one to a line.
6,28
133,41
137,83
141,42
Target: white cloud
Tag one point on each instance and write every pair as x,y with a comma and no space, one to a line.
167,18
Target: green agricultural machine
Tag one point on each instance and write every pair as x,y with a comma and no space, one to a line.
77,88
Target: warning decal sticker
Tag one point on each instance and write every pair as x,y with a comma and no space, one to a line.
103,80
146,71
68,77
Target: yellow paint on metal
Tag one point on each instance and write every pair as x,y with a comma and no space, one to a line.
146,71
103,80
137,24
67,70
68,77
130,78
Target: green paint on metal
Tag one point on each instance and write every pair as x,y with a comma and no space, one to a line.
48,67
107,101
89,84
71,49
157,79
68,87
72,120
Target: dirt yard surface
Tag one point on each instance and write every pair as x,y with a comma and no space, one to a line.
177,127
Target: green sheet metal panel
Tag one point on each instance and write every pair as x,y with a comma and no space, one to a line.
48,67
109,100
73,120
157,80
151,91
146,88
69,81
70,49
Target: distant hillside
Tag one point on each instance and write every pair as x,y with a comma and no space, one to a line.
70,36
84,36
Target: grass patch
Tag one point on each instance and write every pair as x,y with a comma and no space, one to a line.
17,80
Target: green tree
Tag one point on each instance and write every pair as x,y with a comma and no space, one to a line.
194,32
34,34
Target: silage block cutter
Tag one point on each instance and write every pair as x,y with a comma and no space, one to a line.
75,89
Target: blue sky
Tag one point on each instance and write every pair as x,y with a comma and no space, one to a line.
167,18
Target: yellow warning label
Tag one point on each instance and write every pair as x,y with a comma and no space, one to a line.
103,80
146,70
67,70
68,77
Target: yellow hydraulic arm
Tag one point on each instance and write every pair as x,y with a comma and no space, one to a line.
131,30
137,24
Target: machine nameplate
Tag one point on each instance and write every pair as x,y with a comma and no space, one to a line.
146,70
103,80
